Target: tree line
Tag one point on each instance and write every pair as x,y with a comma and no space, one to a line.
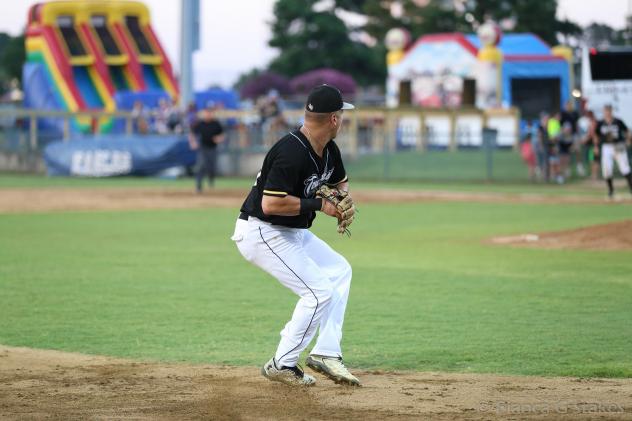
347,35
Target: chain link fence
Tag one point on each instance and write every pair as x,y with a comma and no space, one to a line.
403,144
377,143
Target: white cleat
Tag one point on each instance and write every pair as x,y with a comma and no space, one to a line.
289,375
333,368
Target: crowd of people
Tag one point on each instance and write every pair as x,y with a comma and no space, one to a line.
164,119
551,145
555,147
204,131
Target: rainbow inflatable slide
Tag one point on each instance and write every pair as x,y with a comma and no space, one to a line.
93,55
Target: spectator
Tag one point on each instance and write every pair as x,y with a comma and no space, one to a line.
174,118
544,145
586,128
569,122
566,144
204,137
161,116
554,131
272,120
528,154
531,133
190,116
140,118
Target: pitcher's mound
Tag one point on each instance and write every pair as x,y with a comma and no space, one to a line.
613,236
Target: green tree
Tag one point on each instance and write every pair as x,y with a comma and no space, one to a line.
245,77
308,39
601,35
436,16
12,57
535,16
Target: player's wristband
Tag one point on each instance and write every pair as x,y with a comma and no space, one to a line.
311,205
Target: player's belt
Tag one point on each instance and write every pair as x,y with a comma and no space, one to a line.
243,216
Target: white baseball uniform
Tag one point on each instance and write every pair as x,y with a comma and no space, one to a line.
611,152
311,269
284,247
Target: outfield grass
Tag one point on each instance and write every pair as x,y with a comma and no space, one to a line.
462,165
426,295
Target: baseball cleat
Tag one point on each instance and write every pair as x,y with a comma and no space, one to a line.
289,375
333,368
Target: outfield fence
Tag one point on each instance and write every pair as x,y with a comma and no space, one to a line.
378,143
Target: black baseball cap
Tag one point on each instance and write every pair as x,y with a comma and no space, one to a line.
326,99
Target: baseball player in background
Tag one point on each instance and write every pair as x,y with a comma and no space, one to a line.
272,233
612,134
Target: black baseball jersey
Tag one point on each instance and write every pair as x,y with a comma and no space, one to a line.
207,131
292,167
614,132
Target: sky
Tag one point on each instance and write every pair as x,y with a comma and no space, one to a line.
235,33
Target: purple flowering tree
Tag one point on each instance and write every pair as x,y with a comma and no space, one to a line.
264,83
302,84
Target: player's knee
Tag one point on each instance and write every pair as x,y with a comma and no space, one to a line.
324,295
346,272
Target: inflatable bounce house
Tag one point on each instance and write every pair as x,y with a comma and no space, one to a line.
484,70
93,55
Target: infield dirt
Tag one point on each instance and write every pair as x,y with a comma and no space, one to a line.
14,200
612,236
42,384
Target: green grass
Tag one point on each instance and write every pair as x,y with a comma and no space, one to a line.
426,295
461,165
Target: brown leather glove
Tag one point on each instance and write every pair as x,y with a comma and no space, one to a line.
343,203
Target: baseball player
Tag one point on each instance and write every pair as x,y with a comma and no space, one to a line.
272,233
611,134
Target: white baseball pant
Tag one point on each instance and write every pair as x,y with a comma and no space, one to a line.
311,269
614,152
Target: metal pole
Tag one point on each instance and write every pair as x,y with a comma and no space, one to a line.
33,131
389,136
128,125
66,129
489,142
189,30
452,145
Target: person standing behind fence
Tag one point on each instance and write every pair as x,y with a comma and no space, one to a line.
554,130
586,127
140,117
612,134
204,137
543,145
569,119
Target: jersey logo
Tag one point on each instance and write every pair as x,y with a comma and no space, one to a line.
313,182
611,129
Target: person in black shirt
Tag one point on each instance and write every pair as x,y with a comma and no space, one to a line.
205,135
612,134
272,233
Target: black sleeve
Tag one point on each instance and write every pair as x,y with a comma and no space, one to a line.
623,128
219,129
340,174
195,128
282,176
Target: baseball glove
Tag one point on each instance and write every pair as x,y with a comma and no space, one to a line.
343,203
